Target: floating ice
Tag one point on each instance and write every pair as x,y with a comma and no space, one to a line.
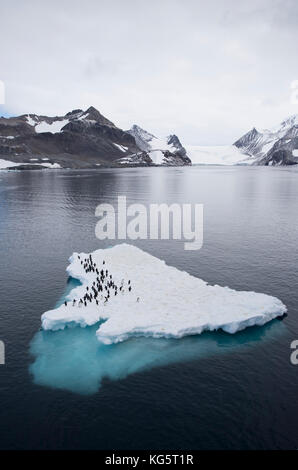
172,303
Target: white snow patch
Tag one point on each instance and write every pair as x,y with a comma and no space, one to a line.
54,127
172,303
121,147
51,165
268,146
30,121
156,156
295,153
83,116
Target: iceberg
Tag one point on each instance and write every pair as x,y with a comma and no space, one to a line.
163,302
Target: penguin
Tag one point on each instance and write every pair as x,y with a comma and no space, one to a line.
65,303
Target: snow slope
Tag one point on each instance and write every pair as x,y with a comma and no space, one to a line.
172,303
54,127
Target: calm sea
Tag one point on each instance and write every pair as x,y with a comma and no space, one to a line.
64,390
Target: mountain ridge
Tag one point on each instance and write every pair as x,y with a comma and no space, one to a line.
78,139
276,146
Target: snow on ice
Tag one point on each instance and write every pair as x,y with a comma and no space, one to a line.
163,301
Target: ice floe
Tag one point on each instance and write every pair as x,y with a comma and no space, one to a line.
163,301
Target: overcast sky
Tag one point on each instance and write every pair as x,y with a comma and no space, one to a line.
206,70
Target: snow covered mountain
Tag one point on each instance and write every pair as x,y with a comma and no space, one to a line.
168,151
277,146
81,139
87,139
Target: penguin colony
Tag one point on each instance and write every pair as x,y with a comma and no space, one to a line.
103,288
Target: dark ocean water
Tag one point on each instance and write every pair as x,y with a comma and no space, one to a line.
63,390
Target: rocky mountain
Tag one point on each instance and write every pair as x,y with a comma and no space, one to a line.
168,151
271,147
80,139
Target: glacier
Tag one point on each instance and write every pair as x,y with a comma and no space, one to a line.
164,302
216,155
